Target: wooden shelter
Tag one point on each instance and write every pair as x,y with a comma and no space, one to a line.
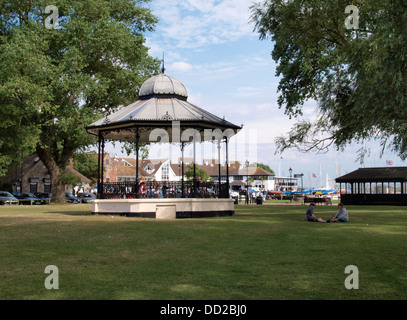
369,186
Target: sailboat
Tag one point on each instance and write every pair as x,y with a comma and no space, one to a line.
329,188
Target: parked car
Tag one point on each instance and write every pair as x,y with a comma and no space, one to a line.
44,196
86,197
6,198
71,198
26,198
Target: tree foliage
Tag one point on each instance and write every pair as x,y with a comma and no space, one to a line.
201,174
357,76
262,165
69,178
86,163
54,82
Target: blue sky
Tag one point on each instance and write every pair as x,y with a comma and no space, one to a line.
210,46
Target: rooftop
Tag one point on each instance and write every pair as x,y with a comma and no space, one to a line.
381,174
162,104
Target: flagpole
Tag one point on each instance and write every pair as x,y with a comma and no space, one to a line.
320,175
279,167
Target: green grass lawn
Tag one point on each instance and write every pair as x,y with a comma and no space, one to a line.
263,252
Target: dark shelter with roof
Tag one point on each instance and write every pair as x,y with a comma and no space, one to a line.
163,115
371,186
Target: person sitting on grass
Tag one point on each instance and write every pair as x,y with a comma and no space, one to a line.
309,215
342,214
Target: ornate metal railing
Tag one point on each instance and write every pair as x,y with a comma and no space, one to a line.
162,189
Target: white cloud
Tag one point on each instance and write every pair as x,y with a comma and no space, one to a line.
265,107
180,67
195,23
204,6
195,98
247,92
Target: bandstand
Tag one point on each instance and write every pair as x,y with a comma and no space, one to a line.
162,114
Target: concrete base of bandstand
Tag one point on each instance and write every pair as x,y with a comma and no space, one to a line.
178,208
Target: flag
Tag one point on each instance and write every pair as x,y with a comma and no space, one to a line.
389,162
314,175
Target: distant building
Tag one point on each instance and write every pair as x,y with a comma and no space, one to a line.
32,176
285,184
124,170
255,177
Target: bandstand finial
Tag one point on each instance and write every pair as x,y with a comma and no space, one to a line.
163,68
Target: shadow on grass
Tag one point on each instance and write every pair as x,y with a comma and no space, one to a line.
74,213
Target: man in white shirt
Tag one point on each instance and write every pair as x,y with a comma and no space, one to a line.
341,215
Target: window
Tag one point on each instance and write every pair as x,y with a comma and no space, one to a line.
397,188
33,187
165,172
34,184
47,188
47,185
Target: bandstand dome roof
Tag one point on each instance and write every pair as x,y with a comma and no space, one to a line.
162,84
162,100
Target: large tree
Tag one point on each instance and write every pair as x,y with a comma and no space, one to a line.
57,78
356,72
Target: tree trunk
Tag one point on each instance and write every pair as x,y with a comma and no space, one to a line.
58,188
